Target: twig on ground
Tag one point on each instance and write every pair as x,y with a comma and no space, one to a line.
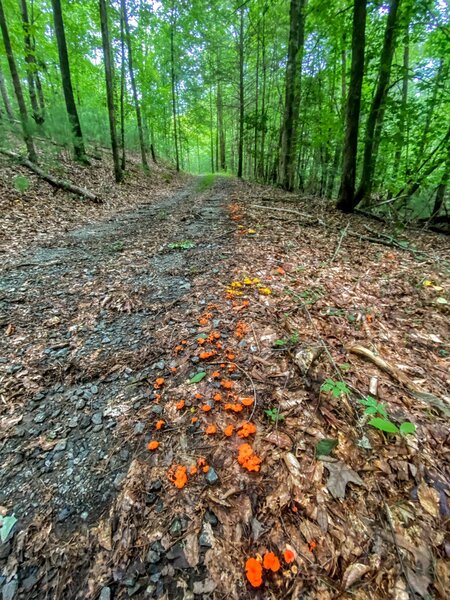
341,239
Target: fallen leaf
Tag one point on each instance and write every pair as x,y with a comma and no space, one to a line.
294,468
428,499
282,440
353,573
340,475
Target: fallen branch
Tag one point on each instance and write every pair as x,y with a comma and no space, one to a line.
399,376
292,212
341,238
58,183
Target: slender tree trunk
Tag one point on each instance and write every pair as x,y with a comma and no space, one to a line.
17,87
260,174
78,143
30,62
347,190
222,160
133,86
122,92
292,94
6,102
173,85
387,53
211,121
404,104
241,93
109,77
440,76
257,116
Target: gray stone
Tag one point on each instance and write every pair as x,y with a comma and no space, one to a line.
211,518
157,409
206,537
176,528
60,446
153,556
73,422
39,418
85,422
94,389
84,516
9,590
139,427
195,359
97,418
211,476
120,477
105,594
97,428
80,404
5,550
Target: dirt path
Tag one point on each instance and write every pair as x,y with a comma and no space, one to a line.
89,319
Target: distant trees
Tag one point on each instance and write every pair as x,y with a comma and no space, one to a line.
17,87
274,91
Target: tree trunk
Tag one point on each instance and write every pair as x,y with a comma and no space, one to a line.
292,94
78,143
387,53
260,174
31,64
6,102
222,160
404,104
442,188
347,189
122,92
109,77
241,93
174,97
211,121
17,87
133,86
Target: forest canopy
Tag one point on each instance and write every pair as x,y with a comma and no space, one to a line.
342,100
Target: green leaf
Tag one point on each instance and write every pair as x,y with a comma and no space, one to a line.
407,427
345,367
325,447
198,377
7,523
21,183
384,425
279,343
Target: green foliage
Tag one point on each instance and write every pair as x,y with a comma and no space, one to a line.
117,246
198,377
373,407
325,447
21,183
186,245
335,388
292,340
274,415
206,182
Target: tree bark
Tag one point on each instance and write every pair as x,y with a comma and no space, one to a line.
292,95
173,85
404,104
122,92
241,93
109,78
17,87
347,189
387,53
78,143
6,102
133,86
222,160
442,188
31,64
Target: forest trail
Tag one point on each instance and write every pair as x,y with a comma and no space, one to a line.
209,322
92,308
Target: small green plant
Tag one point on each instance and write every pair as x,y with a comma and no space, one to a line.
186,245
373,407
205,182
21,183
345,367
274,415
383,422
336,388
117,246
292,340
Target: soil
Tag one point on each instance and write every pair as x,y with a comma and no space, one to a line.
104,327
